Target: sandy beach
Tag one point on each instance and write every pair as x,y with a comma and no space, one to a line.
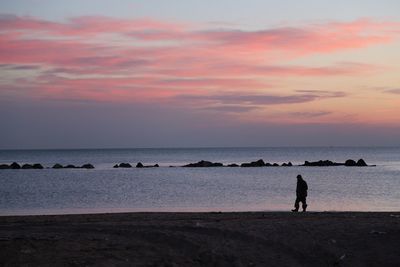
202,239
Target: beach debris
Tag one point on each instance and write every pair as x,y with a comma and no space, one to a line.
342,257
204,163
395,216
373,232
333,241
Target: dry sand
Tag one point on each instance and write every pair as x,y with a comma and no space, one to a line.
202,239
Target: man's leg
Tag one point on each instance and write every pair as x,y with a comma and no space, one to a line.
304,201
296,204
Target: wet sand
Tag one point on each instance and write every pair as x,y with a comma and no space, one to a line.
202,239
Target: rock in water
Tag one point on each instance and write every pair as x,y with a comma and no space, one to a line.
258,163
4,167
87,166
15,166
37,166
139,165
233,165
57,166
361,163
204,163
350,163
26,166
125,165
70,166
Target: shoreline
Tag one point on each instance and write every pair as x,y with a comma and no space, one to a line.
202,238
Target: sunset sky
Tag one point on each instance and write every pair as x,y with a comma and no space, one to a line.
185,73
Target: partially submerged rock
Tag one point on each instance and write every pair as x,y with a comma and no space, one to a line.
328,163
30,166
321,163
87,166
26,166
15,166
70,166
4,166
57,166
258,163
350,163
204,163
37,166
139,165
361,163
125,165
233,165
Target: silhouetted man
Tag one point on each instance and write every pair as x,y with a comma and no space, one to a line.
301,194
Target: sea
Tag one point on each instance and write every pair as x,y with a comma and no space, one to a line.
175,189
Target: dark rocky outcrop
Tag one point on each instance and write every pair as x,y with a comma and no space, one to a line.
258,163
350,163
275,165
361,163
37,166
321,163
204,163
233,165
139,165
289,164
15,166
4,166
70,166
57,166
328,163
87,166
26,166
125,165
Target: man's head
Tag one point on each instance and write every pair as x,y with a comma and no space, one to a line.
299,177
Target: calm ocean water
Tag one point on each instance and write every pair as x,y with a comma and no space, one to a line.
105,189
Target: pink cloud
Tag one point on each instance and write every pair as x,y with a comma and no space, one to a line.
156,60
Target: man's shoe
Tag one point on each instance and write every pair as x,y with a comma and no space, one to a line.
295,210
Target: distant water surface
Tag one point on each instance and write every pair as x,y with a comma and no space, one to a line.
105,189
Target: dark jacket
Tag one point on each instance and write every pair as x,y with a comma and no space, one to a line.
301,189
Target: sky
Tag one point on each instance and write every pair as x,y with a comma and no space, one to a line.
185,73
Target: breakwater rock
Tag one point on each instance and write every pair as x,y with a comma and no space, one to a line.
328,163
204,163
